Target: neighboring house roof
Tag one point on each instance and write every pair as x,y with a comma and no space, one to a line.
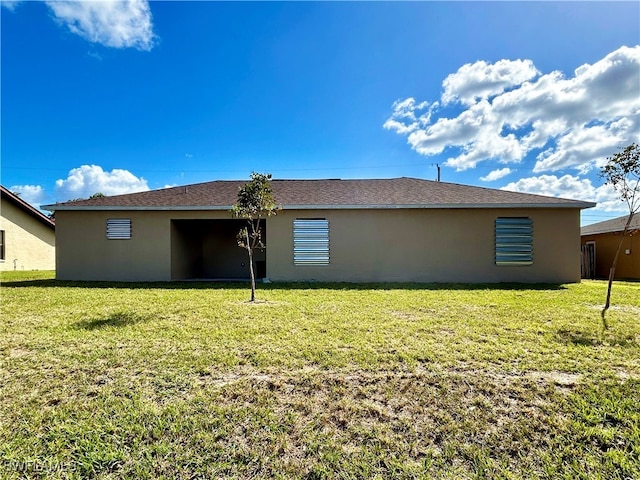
610,226
10,197
326,194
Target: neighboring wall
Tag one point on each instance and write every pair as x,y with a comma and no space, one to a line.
395,245
628,266
27,241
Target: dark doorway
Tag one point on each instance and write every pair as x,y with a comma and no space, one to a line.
588,266
208,249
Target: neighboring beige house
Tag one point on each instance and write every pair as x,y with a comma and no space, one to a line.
27,237
391,230
600,242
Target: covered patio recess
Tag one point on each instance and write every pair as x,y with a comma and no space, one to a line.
208,250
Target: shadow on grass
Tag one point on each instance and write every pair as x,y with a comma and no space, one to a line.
120,319
587,339
243,285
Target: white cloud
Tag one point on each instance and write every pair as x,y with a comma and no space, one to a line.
94,55
32,194
10,4
404,118
481,80
400,128
587,146
496,175
510,110
569,186
112,23
84,181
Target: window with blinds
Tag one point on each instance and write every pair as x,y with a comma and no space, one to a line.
119,228
514,241
310,242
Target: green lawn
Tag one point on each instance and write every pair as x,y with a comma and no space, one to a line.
188,380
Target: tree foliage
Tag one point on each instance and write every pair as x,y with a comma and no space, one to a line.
622,173
255,202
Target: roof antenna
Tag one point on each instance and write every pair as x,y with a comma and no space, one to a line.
438,167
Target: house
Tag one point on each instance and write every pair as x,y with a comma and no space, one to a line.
27,236
377,230
600,242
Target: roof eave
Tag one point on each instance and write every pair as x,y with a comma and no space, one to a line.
575,205
27,208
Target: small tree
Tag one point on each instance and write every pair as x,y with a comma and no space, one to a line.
622,172
255,202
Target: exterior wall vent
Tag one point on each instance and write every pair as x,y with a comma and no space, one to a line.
311,242
119,228
514,241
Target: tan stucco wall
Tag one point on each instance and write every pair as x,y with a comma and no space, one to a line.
430,245
84,252
27,241
628,266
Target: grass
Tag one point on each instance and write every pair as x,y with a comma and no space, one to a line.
104,380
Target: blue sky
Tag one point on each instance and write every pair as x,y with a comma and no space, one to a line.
119,97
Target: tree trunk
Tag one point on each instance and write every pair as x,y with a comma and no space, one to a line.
612,271
251,274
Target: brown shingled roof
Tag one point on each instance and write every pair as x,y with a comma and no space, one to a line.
610,226
307,194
